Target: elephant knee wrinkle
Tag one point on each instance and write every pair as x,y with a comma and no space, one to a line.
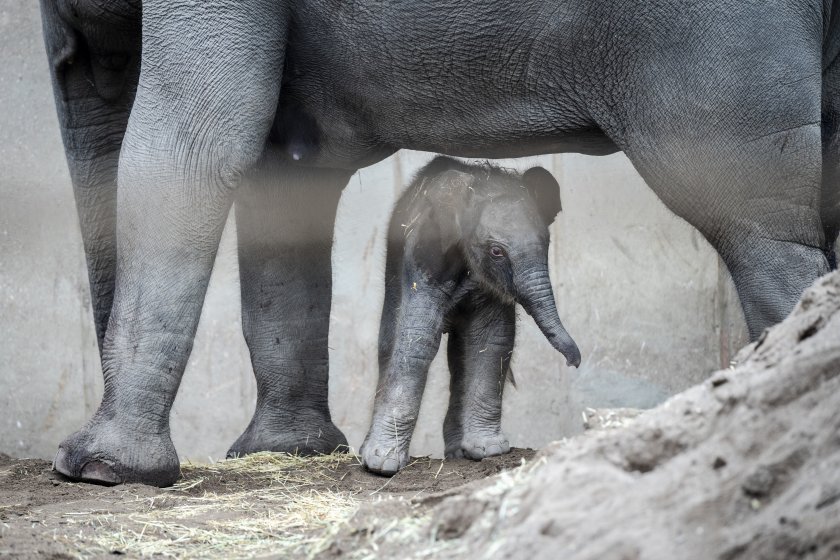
230,176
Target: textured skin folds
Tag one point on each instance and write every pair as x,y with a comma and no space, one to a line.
729,109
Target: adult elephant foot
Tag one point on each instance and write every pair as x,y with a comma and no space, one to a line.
305,435
109,452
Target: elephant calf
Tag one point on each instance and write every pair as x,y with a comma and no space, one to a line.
465,243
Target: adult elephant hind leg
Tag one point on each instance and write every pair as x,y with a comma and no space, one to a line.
721,115
285,233
479,353
185,146
94,65
756,198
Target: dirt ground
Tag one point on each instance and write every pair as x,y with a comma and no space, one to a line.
262,505
743,466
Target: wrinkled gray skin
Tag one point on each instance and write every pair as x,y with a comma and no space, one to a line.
729,110
465,243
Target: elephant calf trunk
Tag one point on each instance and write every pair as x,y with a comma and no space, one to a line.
537,298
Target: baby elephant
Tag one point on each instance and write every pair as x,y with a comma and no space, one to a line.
465,243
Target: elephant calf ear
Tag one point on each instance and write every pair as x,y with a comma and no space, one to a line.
545,191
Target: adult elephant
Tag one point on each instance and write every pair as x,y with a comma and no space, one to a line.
729,110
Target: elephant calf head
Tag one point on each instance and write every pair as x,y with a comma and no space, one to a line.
487,228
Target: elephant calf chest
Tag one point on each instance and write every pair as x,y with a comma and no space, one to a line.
465,243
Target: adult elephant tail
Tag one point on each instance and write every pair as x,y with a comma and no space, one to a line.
831,129
831,32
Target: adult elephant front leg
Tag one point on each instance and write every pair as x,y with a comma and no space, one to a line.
205,99
285,234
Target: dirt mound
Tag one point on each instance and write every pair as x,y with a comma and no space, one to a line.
746,465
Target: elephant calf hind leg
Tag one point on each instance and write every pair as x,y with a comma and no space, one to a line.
479,352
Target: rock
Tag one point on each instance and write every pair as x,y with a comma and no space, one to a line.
608,418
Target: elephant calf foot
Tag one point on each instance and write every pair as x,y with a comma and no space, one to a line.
107,452
298,436
478,446
384,454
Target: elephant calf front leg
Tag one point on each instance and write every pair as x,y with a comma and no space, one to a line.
479,352
402,379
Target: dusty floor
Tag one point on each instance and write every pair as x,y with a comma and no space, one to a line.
743,466
259,506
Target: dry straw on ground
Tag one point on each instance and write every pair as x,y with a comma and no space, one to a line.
262,505
270,504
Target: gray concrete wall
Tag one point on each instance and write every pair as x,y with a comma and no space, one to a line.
647,300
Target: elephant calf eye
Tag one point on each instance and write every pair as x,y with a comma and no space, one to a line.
496,252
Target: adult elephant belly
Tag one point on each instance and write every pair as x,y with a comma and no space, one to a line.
332,137
356,89
326,134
